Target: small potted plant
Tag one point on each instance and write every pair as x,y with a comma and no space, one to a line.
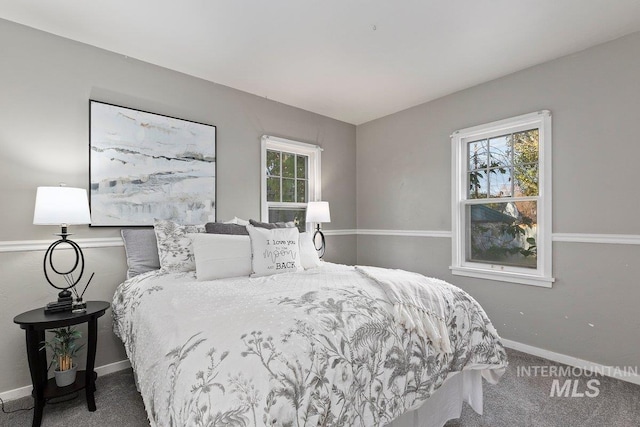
64,348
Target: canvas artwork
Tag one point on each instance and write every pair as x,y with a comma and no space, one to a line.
146,166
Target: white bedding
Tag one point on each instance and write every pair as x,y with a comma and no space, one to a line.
312,348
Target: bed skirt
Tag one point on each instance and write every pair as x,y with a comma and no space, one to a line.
446,403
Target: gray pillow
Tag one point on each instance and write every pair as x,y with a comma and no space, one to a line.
222,228
141,248
272,225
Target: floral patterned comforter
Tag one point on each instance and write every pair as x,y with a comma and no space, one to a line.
314,348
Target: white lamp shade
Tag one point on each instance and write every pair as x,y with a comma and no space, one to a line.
318,212
61,205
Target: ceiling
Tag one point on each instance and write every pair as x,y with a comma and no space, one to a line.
353,60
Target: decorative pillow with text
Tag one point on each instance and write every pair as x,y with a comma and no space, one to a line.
274,251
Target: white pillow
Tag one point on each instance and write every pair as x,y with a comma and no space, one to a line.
174,247
308,255
219,256
274,251
237,221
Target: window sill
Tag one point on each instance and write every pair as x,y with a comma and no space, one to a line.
503,276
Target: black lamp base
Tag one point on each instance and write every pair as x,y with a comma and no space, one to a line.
322,242
65,297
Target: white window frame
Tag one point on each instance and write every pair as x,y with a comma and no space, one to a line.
541,276
314,186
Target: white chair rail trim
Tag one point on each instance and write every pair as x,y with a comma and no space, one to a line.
408,233
618,239
42,245
105,242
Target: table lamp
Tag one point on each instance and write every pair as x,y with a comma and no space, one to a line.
62,206
318,212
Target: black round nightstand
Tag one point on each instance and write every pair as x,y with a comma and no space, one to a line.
35,322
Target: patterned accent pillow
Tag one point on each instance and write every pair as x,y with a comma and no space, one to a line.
274,251
175,249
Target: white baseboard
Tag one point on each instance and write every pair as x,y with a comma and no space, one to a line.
100,370
609,371
113,367
16,393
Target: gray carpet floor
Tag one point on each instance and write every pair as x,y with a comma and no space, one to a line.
516,401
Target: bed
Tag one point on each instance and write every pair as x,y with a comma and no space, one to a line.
322,346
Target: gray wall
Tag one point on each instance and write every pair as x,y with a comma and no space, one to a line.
45,86
404,183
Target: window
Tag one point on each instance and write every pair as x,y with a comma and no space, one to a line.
502,200
291,178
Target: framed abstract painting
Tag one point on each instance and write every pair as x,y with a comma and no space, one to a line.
146,166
